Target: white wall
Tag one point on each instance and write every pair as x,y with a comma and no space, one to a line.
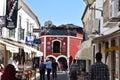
2,8
25,14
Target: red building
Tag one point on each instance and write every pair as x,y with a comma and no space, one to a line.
61,43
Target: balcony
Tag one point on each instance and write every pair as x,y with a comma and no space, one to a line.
111,13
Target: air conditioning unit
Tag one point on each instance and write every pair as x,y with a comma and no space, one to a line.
118,8
111,19
113,9
96,25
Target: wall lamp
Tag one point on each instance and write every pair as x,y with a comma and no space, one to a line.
89,2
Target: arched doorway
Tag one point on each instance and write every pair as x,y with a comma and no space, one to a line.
51,58
63,61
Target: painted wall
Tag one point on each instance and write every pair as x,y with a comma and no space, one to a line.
42,45
74,45
63,45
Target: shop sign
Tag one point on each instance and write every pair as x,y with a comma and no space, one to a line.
11,13
36,30
2,21
37,41
30,39
113,48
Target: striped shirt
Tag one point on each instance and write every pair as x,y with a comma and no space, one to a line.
74,67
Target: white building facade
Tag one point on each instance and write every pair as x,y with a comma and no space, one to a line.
22,36
107,38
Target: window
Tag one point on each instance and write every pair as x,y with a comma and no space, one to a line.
31,27
27,25
21,34
12,33
19,27
21,31
19,20
56,47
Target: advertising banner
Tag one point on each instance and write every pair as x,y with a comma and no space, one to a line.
2,21
11,13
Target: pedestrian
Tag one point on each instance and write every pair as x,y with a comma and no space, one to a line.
99,70
15,62
65,66
9,73
54,69
48,67
1,70
61,66
21,56
73,70
42,68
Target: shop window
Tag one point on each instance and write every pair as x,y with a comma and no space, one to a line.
56,47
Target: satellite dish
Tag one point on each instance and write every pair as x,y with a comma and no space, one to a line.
48,23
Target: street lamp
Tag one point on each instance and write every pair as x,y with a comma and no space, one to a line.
89,2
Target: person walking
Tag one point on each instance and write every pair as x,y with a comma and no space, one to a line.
65,66
9,73
15,62
99,70
54,69
42,68
73,70
61,66
48,67
1,70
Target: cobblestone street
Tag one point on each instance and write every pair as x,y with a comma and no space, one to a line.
60,76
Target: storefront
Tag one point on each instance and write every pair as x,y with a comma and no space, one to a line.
109,45
6,52
2,53
9,49
84,55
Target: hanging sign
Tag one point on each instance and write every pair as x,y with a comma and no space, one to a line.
11,13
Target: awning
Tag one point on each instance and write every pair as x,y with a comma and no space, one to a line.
14,47
38,53
10,47
85,51
30,49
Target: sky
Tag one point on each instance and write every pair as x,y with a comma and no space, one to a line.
58,11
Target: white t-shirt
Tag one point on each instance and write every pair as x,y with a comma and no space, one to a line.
15,64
